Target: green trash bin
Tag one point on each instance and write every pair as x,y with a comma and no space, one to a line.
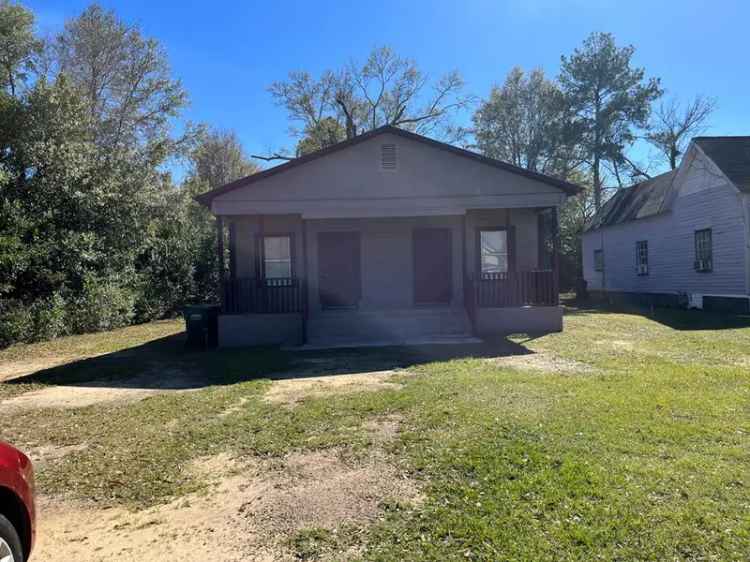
202,326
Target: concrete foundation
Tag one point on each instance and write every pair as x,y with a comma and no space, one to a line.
498,321
244,330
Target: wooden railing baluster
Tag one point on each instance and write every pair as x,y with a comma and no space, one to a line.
519,288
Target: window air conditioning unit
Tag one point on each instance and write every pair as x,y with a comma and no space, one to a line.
703,265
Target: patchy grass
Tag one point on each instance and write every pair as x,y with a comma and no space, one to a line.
641,455
68,359
88,345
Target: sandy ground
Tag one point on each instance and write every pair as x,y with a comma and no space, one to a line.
290,392
545,362
305,380
14,369
251,512
253,508
97,392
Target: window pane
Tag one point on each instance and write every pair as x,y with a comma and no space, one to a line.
494,241
276,247
494,251
642,253
278,268
494,264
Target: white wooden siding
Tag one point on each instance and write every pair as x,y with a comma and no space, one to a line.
698,204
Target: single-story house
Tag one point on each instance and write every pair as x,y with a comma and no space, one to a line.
681,238
390,237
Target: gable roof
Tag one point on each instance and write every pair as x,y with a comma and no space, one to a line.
206,198
731,155
639,201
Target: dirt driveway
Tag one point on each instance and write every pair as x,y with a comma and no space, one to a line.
315,502
255,508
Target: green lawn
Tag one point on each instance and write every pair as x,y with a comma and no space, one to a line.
642,453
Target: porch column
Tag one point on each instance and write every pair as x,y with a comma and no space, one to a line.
556,254
305,286
220,256
232,250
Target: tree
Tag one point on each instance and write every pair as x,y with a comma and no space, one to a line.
673,127
386,90
93,233
609,98
218,158
125,78
18,46
525,122
326,132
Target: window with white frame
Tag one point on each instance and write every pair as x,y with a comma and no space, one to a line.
704,257
641,257
277,257
494,253
598,260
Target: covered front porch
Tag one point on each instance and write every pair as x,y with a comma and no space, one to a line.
294,280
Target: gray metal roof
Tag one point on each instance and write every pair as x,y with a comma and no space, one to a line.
642,200
731,155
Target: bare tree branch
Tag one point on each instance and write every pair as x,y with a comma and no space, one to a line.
272,157
674,127
386,90
637,170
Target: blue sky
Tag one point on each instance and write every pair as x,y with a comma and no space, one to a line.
227,53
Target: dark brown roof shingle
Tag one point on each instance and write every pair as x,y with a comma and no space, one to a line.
642,200
731,155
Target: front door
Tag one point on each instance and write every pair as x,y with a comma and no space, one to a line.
339,269
433,266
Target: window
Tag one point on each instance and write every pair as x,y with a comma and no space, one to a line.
388,157
703,250
494,254
641,257
598,260
277,257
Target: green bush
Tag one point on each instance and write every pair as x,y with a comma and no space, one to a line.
15,322
103,304
47,319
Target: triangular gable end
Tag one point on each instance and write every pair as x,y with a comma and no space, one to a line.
325,161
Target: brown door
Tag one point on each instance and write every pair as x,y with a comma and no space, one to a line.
339,272
433,266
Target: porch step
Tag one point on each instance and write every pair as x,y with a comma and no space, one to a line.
398,325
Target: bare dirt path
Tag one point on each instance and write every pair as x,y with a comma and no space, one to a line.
81,395
252,512
10,370
293,390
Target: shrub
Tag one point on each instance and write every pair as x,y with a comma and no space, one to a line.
47,319
103,304
15,322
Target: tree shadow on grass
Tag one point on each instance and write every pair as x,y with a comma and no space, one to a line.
675,318
165,364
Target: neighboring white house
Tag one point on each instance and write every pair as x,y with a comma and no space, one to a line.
390,237
681,238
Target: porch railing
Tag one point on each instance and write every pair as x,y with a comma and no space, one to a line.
264,296
518,288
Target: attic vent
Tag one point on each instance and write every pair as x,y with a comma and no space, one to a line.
388,160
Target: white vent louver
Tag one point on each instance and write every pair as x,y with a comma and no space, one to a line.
388,157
